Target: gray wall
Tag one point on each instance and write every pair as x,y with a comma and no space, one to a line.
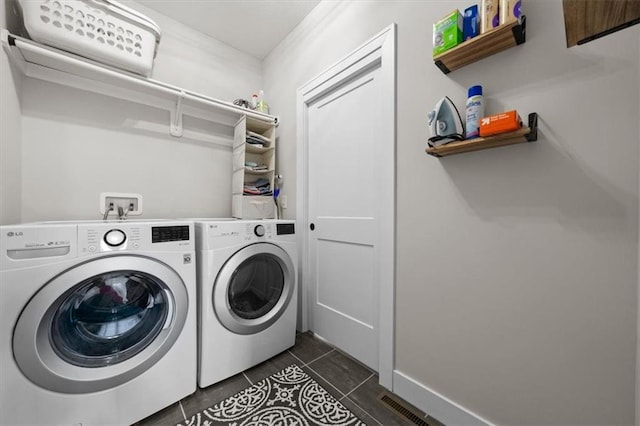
638,330
73,145
516,267
10,131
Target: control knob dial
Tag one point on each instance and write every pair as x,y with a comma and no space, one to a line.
115,237
259,230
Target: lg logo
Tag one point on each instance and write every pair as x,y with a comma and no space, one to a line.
14,234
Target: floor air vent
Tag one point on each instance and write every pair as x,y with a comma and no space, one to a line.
412,415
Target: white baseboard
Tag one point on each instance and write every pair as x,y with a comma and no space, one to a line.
435,405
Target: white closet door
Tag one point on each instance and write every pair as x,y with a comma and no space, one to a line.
343,200
346,163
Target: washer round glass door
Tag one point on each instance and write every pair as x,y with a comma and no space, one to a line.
253,288
100,323
109,318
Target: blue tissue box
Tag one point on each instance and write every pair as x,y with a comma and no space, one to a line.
470,23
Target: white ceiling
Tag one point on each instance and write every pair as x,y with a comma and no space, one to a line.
252,26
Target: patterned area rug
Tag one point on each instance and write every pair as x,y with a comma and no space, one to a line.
287,398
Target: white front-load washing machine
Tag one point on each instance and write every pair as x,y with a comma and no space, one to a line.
247,295
97,321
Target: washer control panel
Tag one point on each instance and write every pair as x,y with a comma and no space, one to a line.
108,237
130,236
167,234
33,242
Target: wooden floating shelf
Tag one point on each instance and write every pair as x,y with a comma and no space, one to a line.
524,134
587,20
500,38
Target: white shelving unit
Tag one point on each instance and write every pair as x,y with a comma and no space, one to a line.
50,64
246,206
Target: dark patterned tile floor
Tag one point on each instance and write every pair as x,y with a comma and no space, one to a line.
350,382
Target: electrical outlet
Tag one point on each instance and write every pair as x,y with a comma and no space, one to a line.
131,204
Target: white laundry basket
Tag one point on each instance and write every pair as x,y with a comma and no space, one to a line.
102,30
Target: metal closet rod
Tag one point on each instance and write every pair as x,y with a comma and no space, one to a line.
76,66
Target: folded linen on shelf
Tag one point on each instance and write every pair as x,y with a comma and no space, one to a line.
257,139
250,191
257,136
252,165
261,186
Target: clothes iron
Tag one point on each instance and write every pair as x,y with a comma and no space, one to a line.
445,123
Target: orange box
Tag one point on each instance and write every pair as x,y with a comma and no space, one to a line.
507,121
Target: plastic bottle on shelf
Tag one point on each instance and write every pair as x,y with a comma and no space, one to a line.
474,111
489,15
263,106
510,10
254,101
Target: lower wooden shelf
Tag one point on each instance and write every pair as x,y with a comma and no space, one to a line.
524,134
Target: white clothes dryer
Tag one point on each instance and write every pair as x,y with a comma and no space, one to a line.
97,321
247,295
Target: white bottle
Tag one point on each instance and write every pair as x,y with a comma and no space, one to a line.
475,112
263,106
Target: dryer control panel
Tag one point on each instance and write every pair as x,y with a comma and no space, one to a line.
258,231
214,234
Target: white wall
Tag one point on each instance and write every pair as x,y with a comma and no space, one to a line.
189,59
10,132
516,267
638,330
76,145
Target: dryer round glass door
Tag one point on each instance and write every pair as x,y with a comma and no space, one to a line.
253,288
100,324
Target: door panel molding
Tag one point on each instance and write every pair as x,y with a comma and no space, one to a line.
337,312
333,229
378,52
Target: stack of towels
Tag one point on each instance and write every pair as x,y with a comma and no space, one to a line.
259,187
257,139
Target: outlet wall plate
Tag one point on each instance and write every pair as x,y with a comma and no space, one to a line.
130,203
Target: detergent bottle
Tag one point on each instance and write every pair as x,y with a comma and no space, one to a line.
475,112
